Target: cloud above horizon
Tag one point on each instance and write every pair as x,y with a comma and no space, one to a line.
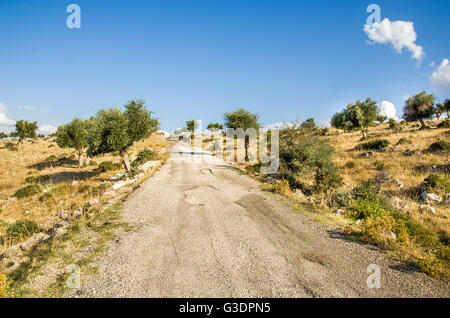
400,34
4,120
46,129
388,109
440,78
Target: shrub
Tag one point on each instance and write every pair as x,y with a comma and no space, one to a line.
37,179
108,166
144,156
47,198
282,187
134,172
340,199
350,165
376,144
381,165
393,124
4,285
436,183
440,145
20,230
444,124
11,146
27,191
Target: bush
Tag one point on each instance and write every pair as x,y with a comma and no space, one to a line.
4,286
20,230
376,144
11,146
282,187
444,124
437,184
47,198
37,179
108,166
350,165
134,172
393,124
440,145
381,165
144,156
61,189
340,199
27,191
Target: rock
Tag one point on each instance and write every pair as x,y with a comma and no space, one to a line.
93,201
397,183
108,195
10,269
430,197
77,214
447,198
299,193
358,221
398,204
74,183
60,231
435,168
270,180
12,251
425,208
311,199
35,239
119,185
382,177
125,190
390,235
339,212
148,165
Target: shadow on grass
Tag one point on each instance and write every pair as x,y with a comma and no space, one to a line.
50,164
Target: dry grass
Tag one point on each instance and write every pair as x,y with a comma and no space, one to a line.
15,166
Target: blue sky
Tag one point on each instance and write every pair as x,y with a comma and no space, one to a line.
285,60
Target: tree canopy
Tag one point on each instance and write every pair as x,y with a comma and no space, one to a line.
419,107
117,130
74,135
308,124
357,116
241,119
191,125
214,126
25,129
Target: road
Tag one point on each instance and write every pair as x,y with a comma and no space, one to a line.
202,229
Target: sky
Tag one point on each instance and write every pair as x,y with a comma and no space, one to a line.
189,59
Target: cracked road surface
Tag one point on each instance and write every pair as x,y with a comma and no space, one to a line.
202,229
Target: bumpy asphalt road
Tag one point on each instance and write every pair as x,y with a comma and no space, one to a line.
204,230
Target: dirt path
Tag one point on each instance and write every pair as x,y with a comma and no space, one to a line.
204,230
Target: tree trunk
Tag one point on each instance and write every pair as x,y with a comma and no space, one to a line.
364,134
246,146
126,161
423,124
80,158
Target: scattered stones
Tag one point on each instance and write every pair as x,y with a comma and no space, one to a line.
270,180
93,201
425,208
125,190
299,193
148,165
12,251
35,239
74,183
426,197
397,183
382,177
119,185
390,235
398,204
408,152
435,168
339,212
311,199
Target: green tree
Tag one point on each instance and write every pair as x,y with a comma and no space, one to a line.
191,125
74,135
439,110
3,135
381,118
308,124
214,126
242,119
357,116
446,107
419,108
25,129
116,130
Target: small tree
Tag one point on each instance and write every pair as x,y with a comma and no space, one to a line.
357,116
191,125
381,118
214,127
25,129
3,135
74,135
242,119
419,108
446,107
115,130
308,124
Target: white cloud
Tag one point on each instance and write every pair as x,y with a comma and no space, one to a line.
324,123
46,129
388,109
280,126
27,107
400,34
4,120
441,76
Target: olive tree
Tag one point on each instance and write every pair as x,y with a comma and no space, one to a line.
3,135
214,127
242,119
25,129
116,130
419,108
308,124
191,125
446,107
74,135
357,116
